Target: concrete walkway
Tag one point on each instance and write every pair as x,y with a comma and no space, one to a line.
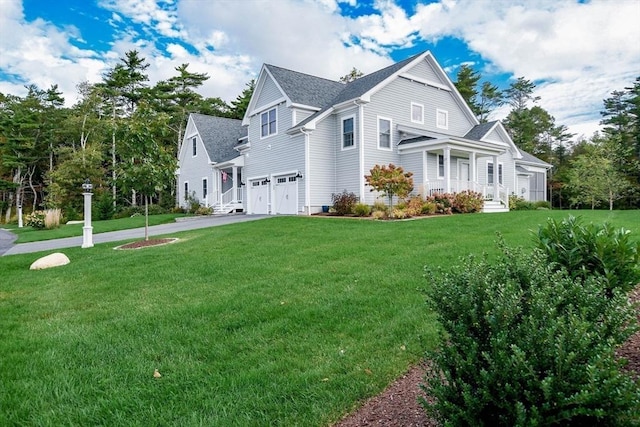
183,224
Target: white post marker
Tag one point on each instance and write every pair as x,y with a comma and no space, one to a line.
87,230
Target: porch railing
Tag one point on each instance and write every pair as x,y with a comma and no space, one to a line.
456,186
228,196
239,195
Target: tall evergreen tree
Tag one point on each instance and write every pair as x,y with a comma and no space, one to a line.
490,98
467,84
241,103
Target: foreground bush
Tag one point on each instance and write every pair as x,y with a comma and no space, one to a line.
587,250
524,344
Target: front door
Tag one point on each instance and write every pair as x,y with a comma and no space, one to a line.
463,172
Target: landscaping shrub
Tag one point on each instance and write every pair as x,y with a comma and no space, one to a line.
380,206
587,250
379,215
399,213
428,208
517,203
362,209
35,219
52,218
467,202
104,206
344,202
443,202
524,344
204,210
542,204
414,206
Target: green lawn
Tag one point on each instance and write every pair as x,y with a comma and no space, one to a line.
280,322
29,234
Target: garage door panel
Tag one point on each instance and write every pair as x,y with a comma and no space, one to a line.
259,197
286,195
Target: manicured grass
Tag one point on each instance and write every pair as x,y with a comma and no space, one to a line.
279,322
29,234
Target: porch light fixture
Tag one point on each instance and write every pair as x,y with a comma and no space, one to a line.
299,175
267,179
242,184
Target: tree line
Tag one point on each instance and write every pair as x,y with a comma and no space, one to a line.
123,134
601,170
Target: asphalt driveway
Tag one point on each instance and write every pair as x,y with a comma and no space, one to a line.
191,223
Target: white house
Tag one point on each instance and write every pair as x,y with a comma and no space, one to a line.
305,137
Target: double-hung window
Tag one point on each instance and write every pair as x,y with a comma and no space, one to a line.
194,146
440,166
186,190
491,173
268,123
204,188
384,133
417,113
347,133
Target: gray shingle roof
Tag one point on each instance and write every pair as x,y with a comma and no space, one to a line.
219,135
415,139
478,131
360,86
305,89
530,158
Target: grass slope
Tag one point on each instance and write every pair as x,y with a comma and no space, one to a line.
280,322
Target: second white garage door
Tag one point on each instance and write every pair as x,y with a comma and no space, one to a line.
286,195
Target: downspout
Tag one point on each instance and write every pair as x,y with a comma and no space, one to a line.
361,147
307,168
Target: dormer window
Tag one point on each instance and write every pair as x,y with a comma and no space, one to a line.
268,123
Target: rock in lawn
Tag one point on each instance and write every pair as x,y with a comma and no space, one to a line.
53,260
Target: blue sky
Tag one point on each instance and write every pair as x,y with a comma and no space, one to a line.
577,52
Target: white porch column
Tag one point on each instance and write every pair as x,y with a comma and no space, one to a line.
473,174
425,179
496,188
235,184
447,170
219,181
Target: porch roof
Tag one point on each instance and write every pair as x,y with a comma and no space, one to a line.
456,144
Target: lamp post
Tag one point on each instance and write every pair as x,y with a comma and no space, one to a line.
87,230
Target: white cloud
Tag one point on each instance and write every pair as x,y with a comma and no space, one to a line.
578,53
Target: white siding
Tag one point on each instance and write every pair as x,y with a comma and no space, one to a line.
413,163
425,70
347,161
322,155
193,169
276,154
269,93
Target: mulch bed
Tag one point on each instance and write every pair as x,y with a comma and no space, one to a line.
398,406
146,243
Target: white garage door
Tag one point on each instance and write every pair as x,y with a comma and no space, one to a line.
286,195
259,196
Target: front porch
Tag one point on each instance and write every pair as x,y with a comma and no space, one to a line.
450,165
228,188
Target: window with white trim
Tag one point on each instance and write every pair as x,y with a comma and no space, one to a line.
417,113
186,190
348,140
440,166
268,123
204,188
194,146
384,133
442,119
490,173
